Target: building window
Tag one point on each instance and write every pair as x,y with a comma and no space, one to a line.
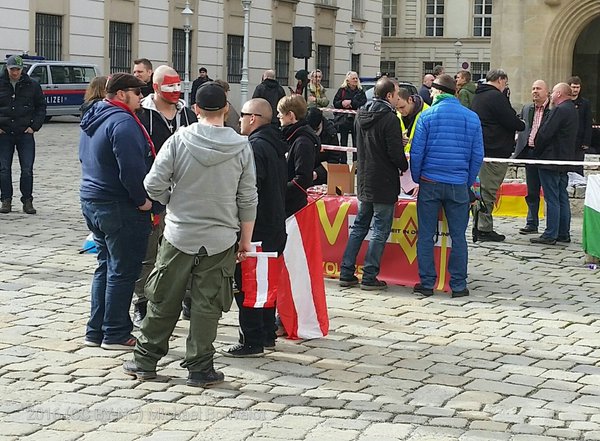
388,68
356,63
48,36
282,61
479,70
389,18
178,52
357,9
324,63
119,46
235,53
482,18
429,65
434,18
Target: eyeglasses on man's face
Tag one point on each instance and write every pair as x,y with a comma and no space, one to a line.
135,90
243,114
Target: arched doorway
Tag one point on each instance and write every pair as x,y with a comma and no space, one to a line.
586,64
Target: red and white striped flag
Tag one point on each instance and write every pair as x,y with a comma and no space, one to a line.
260,277
301,299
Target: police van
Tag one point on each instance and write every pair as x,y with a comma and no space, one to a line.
63,82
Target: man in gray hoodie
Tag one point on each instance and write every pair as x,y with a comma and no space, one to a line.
205,175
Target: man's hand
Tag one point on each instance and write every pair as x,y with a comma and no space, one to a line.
415,192
29,130
244,247
585,147
147,205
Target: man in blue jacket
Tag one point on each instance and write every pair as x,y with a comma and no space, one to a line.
112,150
22,113
445,157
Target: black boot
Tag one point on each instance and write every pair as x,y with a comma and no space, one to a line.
6,206
139,312
28,206
205,378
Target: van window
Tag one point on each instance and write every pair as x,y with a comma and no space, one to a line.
60,75
40,74
81,74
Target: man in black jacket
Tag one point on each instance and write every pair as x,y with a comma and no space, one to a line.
380,158
257,303
22,112
556,140
499,123
270,90
202,78
584,130
328,136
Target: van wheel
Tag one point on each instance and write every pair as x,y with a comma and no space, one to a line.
47,118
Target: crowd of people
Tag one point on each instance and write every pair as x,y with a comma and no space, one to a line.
178,194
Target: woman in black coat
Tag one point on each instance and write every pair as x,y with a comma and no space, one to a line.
350,96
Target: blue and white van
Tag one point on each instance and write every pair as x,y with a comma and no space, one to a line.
63,82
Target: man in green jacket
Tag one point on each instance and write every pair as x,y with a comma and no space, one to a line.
466,88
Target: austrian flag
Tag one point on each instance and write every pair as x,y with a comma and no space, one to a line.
301,299
260,276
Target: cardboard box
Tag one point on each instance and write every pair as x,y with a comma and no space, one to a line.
340,178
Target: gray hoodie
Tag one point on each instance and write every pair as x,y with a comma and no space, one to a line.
205,176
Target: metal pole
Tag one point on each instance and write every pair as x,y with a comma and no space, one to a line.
187,13
244,81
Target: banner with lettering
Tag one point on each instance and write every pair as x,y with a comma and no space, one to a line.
399,261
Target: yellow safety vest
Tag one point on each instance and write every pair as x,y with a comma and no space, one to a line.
414,126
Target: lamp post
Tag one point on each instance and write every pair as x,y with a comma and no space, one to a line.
187,13
244,81
351,33
458,50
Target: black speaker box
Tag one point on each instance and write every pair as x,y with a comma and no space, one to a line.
302,41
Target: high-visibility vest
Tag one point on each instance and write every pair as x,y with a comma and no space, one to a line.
414,126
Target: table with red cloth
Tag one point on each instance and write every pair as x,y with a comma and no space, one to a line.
399,260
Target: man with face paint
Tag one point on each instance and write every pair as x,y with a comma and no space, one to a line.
162,114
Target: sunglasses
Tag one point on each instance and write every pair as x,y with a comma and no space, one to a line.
242,114
136,90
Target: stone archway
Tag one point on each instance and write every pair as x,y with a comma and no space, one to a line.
586,64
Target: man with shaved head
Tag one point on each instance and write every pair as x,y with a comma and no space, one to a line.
271,90
425,90
556,140
532,114
162,114
257,317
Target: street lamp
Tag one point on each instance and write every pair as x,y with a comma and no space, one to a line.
458,50
351,33
244,81
187,13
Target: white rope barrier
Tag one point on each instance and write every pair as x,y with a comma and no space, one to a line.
334,110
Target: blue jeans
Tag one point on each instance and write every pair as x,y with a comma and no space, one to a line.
454,198
532,177
121,234
558,210
382,216
25,145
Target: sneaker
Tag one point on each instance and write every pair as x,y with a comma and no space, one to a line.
243,351
269,345
420,289
186,307
543,240
346,283
127,345
28,206
374,285
6,206
208,377
91,343
131,368
564,239
490,236
527,229
461,293
139,312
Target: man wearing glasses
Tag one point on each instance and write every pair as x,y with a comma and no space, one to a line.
112,150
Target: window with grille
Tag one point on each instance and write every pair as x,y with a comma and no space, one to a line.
389,18
324,63
282,61
178,52
482,18
48,36
357,9
479,70
119,46
429,65
356,63
388,68
434,18
235,54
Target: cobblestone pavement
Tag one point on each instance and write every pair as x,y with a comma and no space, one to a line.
517,360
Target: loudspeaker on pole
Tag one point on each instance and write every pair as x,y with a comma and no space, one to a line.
302,41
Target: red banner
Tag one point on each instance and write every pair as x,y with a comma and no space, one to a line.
399,261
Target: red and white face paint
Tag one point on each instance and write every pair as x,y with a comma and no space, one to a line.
170,89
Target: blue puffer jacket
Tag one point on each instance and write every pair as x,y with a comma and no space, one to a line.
448,144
